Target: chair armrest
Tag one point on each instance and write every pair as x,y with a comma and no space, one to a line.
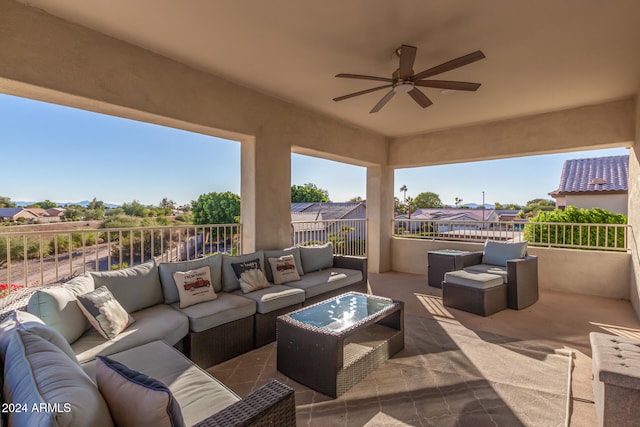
352,262
272,404
523,270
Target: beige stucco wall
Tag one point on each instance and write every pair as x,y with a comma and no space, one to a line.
49,59
616,203
584,272
634,216
590,127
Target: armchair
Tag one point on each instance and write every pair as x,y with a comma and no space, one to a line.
518,270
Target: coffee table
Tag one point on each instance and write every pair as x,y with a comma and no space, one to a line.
331,345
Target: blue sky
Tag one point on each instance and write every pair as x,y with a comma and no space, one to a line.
69,155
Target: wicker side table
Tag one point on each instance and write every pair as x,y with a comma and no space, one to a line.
446,260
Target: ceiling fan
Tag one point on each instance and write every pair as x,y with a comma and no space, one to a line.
403,80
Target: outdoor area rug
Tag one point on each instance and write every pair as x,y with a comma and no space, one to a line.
447,375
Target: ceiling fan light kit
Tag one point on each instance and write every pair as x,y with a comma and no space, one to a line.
404,80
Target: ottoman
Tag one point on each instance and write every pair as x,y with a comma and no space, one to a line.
616,379
478,293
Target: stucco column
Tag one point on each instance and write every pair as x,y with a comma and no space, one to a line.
379,216
634,215
265,193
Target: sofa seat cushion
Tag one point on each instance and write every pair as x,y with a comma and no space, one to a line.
488,268
160,322
198,393
37,372
57,307
224,309
134,287
473,280
327,280
274,297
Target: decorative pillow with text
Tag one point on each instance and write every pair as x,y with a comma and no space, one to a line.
194,286
284,269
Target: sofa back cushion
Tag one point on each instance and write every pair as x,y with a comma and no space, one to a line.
27,322
135,288
57,307
316,258
230,281
498,253
295,251
166,270
39,375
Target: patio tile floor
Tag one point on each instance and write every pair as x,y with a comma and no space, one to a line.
559,320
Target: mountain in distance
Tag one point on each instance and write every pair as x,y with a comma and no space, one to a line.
83,203
478,206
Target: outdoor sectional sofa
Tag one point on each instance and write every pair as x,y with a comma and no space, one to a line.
207,332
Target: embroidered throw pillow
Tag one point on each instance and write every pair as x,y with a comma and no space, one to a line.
250,275
134,399
104,312
194,286
284,269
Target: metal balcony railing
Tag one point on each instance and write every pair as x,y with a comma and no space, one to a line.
348,236
608,237
33,258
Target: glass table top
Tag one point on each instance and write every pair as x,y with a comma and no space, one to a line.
341,312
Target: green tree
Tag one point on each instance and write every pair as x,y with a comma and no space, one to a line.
73,213
216,208
5,202
537,205
355,199
136,208
308,193
95,210
45,204
427,200
458,202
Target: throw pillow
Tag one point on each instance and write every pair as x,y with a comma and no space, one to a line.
230,280
134,399
250,275
194,286
284,269
295,251
104,312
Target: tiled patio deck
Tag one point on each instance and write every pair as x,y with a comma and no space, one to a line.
559,320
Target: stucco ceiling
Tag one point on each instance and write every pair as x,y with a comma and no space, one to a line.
541,55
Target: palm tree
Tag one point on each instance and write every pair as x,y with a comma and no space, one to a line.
404,190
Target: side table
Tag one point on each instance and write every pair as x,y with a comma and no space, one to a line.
446,260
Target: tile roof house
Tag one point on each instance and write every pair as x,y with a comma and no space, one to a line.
314,221
600,182
30,214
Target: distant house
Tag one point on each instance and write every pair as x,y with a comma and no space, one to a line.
315,221
31,215
601,182
465,219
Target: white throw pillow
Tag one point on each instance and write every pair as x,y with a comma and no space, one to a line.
284,269
252,280
194,286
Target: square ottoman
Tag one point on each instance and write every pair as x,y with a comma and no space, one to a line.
478,293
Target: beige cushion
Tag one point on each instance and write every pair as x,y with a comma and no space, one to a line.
104,312
135,288
473,280
160,322
226,308
284,269
134,399
198,393
327,280
57,306
194,286
36,372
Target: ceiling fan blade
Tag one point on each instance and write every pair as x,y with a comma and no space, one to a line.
383,101
450,65
362,77
446,84
407,58
362,92
420,97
